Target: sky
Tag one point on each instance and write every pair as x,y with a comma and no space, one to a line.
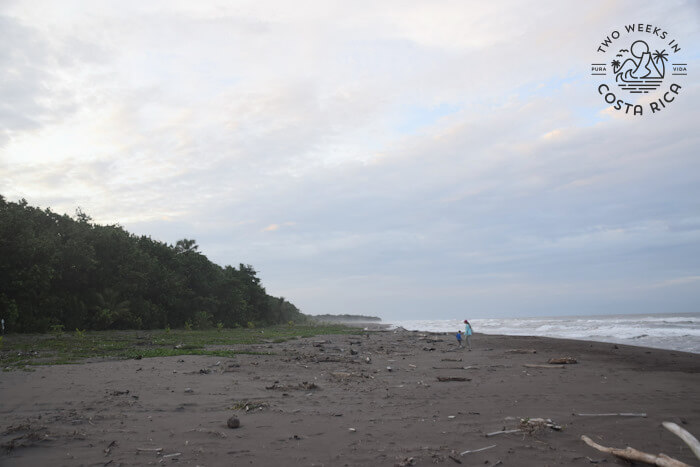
402,159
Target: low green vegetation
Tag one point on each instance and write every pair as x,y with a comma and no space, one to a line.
21,350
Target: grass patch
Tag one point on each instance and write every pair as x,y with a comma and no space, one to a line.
20,350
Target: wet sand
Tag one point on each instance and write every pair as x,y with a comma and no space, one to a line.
418,401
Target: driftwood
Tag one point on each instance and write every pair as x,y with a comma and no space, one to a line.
478,450
534,424
521,351
502,432
563,360
662,460
687,438
611,414
535,365
452,378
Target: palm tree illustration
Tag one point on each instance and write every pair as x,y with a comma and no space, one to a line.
615,64
661,57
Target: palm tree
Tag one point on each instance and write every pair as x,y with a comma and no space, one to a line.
109,309
661,57
615,64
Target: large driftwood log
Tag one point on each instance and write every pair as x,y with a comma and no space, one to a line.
687,438
662,460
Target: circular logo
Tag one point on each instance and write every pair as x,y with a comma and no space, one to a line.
640,69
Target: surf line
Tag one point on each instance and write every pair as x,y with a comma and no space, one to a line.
638,109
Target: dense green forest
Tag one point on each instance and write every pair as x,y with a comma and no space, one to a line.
59,271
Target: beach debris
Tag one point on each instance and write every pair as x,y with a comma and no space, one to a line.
175,454
428,349
562,360
368,360
342,375
687,438
496,463
592,461
521,351
455,459
189,390
233,422
536,365
149,449
108,449
332,360
352,430
451,378
388,368
405,462
477,450
249,405
533,424
622,414
632,454
304,385
30,437
502,432
450,359
204,371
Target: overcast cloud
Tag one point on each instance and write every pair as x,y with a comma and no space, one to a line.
402,159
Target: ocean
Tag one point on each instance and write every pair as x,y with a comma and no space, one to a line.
662,331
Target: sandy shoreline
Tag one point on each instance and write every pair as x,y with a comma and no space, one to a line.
317,401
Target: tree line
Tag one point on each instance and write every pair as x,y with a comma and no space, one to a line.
59,271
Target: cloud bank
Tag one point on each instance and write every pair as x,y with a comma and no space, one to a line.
407,159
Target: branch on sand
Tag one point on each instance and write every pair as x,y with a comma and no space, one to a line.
477,450
631,454
687,438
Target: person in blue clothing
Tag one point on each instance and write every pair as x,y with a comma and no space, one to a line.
468,331
459,338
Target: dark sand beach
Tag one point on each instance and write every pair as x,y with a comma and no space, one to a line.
317,401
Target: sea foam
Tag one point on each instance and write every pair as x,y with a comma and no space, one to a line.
672,332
